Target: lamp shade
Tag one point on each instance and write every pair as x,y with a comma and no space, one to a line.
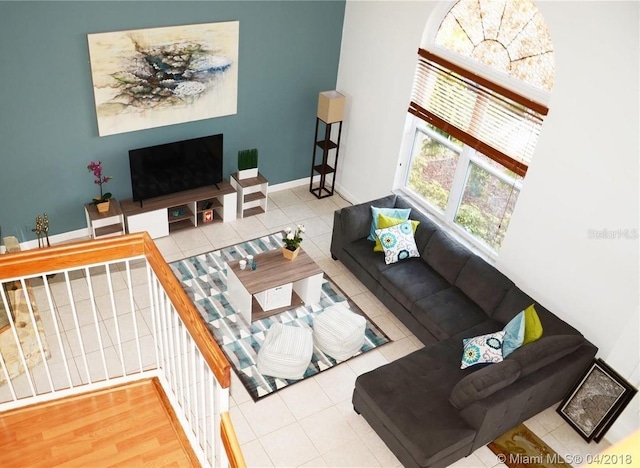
330,106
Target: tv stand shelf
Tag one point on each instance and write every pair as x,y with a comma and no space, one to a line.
161,215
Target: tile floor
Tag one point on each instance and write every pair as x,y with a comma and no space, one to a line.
312,423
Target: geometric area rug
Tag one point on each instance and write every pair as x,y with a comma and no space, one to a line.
204,278
520,448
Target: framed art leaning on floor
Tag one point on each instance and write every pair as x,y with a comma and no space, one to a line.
596,401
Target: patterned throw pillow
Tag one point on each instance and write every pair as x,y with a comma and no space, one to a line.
402,213
398,242
482,349
387,221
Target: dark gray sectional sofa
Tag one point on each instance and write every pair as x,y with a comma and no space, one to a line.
428,411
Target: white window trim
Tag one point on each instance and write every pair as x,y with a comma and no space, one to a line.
446,220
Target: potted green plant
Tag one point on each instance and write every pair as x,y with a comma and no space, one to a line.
101,202
247,163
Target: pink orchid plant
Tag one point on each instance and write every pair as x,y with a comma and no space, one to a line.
96,168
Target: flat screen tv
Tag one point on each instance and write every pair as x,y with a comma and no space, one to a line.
175,167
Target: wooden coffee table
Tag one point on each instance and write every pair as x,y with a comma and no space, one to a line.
276,285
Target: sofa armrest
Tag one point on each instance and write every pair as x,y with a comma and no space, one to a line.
484,382
542,352
336,237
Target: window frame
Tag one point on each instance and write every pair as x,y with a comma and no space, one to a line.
466,157
482,75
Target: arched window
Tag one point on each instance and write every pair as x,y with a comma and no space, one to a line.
509,36
473,125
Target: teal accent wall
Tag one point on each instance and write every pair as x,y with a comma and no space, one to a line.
289,52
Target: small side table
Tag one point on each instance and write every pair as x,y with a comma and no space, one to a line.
252,194
110,223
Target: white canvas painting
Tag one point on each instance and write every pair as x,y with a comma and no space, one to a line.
149,78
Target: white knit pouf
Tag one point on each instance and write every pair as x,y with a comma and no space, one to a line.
286,351
339,332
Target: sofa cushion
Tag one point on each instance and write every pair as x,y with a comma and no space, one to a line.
412,280
540,353
484,382
396,394
446,256
427,226
356,219
372,262
483,349
482,328
398,242
447,312
515,301
484,284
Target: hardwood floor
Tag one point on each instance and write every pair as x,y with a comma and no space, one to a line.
131,425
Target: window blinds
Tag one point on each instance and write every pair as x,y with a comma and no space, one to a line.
499,123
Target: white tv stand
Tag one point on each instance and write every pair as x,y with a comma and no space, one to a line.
161,215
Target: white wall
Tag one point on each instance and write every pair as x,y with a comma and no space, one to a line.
380,42
584,174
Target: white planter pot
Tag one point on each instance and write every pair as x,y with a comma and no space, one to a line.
248,173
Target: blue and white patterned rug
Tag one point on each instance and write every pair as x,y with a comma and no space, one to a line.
204,278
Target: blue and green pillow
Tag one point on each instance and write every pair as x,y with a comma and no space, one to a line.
402,213
522,329
387,222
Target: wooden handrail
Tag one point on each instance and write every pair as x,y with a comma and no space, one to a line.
84,253
230,442
73,255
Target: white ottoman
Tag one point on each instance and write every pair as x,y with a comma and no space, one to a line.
286,351
339,332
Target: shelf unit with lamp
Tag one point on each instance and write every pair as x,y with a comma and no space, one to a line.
324,164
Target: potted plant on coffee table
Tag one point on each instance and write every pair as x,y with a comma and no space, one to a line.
101,202
292,240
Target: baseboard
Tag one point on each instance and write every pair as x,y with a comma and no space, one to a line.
346,195
289,185
84,232
62,238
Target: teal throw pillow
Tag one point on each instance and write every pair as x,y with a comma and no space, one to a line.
397,242
401,213
514,334
482,349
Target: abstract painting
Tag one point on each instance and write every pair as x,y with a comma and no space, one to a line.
150,78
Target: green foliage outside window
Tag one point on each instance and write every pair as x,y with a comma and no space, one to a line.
484,195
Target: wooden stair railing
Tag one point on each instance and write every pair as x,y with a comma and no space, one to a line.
49,260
